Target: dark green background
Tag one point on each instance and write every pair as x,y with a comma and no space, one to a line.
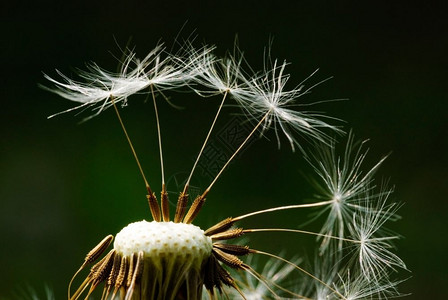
64,186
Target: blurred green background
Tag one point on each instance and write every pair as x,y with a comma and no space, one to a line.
65,185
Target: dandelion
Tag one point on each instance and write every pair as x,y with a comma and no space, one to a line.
171,258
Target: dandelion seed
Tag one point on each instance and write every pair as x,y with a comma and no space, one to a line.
267,95
343,183
375,258
135,76
222,75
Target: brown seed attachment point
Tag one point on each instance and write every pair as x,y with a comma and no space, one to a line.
164,203
181,207
115,270
228,259
112,276
220,227
102,269
96,252
194,209
121,275
216,275
237,250
154,207
229,234
130,270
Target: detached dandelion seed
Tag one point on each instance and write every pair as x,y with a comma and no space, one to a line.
171,258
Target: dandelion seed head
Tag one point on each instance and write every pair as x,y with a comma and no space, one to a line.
164,239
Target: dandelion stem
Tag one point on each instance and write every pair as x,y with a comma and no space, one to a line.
300,231
164,195
237,151
158,134
148,188
152,200
205,142
282,208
